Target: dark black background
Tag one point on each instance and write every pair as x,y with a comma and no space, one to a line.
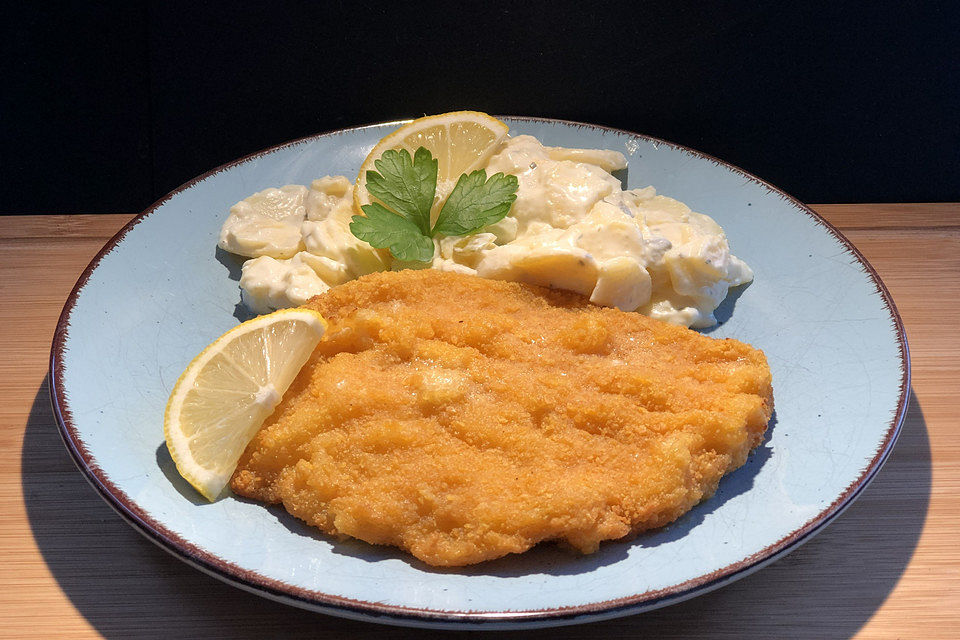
106,107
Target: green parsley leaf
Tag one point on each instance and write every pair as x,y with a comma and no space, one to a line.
476,202
384,229
406,186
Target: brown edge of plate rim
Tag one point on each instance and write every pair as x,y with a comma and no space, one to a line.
431,618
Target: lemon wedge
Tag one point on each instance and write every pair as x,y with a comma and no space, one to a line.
461,141
225,394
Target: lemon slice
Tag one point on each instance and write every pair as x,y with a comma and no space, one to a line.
461,141
225,394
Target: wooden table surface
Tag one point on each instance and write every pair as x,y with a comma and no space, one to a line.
889,567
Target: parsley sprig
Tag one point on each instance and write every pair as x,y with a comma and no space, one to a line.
407,187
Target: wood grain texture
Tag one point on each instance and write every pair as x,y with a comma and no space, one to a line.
887,568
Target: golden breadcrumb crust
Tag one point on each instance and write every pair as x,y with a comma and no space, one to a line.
463,419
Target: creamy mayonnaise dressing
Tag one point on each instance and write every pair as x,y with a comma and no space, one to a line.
572,227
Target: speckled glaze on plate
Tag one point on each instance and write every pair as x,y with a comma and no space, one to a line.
158,293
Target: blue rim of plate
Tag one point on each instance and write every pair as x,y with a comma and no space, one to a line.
408,616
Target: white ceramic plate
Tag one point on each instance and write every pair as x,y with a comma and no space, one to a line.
158,293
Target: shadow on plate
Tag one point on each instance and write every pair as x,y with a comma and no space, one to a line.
125,587
725,310
233,263
169,469
738,482
551,559
623,175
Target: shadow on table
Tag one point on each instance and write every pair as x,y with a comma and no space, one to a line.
124,586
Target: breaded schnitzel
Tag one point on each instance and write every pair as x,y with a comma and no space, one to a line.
463,419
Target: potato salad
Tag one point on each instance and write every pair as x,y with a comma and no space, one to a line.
572,226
